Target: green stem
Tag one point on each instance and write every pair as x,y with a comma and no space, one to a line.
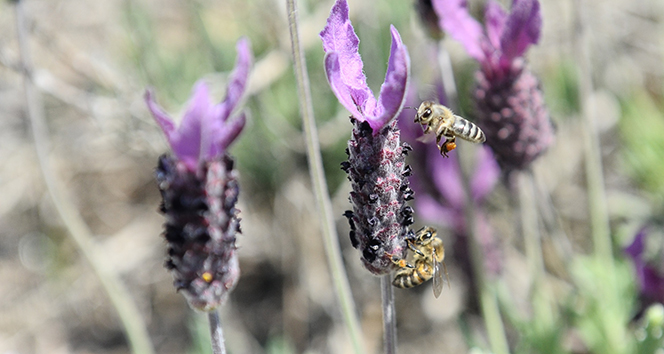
530,227
389,315
447,76
134,327
488,299
542,302
599,217
330,236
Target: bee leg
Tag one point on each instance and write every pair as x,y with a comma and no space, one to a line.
401,263
414,249
447,146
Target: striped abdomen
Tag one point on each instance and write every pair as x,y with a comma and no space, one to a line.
467,130
410,278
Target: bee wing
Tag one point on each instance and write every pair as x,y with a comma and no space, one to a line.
437,279
426,138
438,269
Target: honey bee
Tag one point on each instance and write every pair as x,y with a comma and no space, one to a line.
443,122
428,259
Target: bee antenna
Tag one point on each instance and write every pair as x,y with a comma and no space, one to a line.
409,107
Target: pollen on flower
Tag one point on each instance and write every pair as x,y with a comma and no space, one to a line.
201,227
207,276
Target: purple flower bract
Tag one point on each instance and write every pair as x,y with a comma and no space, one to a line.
206,130
343,67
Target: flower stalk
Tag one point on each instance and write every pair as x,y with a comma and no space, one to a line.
330,237
216,333
389,315
129,314
488,298
599,218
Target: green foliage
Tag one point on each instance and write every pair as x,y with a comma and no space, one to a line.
604,305
561,89
642,129
199,328
649,333
279,345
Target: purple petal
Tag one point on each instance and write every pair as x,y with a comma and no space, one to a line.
486,174
494,19
393,91
456,21
652,283
635,249
650,280
432,211
340,89
446,177
225,134
338,36
187,143
521,29
165,122
240,75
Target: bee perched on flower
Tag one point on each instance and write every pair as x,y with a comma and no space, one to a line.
376,165
198,184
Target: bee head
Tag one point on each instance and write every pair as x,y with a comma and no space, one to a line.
424,112
426,234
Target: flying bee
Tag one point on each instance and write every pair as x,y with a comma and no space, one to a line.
428,259
443,122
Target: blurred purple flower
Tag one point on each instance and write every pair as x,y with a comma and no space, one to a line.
445,203
206,131
510,104
199,188
650,279
376,163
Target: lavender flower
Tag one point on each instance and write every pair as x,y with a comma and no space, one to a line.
376,163
445,203
199,188
650,278
510,105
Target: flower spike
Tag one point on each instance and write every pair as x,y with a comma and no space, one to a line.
380,219
199,188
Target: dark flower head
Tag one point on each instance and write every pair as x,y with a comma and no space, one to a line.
510,104
198,184
376,157
649,277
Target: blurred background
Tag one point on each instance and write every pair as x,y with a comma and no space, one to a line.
92,63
